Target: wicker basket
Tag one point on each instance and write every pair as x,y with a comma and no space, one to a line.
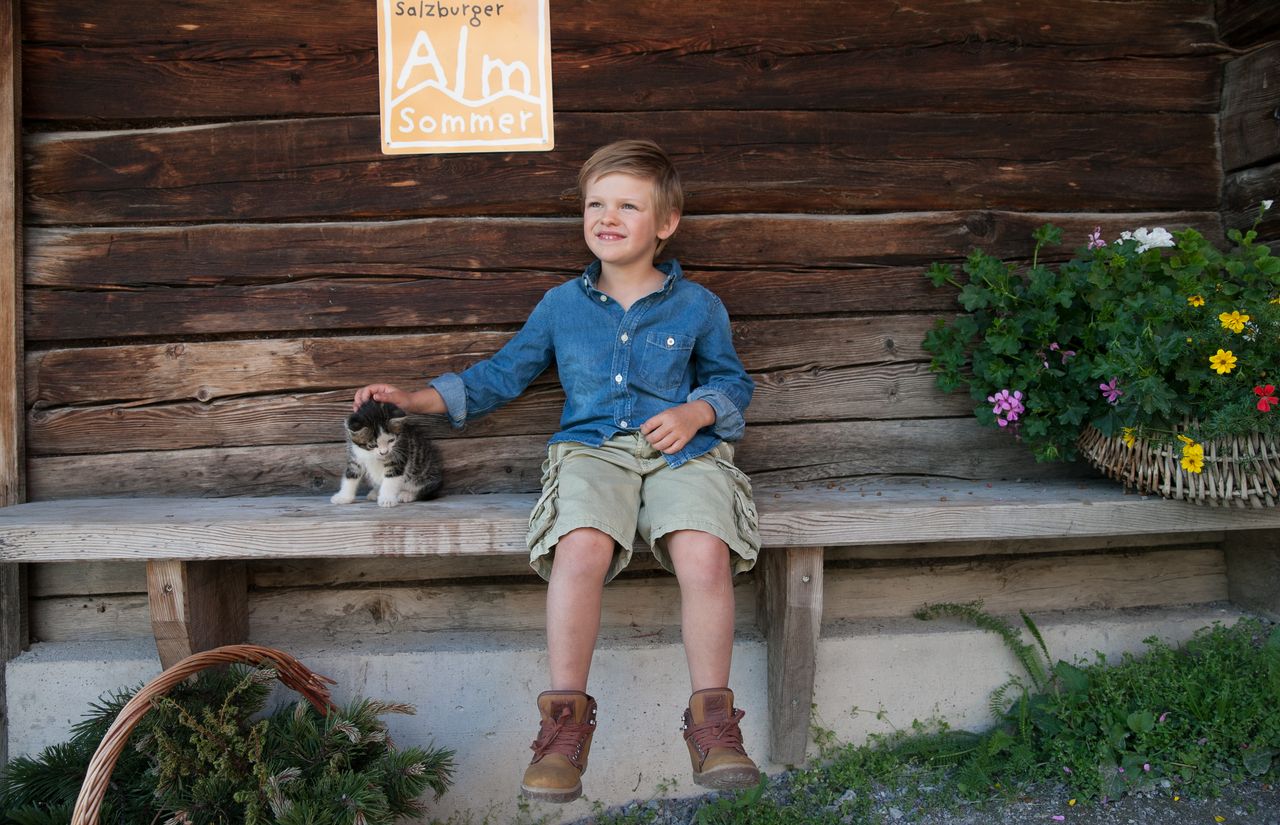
291,672
1238,472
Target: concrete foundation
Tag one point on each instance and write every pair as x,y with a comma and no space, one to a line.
476,694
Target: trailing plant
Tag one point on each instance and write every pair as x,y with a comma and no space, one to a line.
1152,336
204,755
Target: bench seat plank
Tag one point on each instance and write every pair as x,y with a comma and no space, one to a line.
880,512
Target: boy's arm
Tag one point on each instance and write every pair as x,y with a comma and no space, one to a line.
486,385
721,380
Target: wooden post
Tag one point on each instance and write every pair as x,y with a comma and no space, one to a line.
13,597
196,605
791,616
1253,571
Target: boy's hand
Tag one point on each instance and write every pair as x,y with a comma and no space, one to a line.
670,430
381,392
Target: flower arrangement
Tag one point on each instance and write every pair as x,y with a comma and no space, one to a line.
1153,337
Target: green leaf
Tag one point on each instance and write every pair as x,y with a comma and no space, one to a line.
1257,761
1074,680
974,297
1142,721
939,274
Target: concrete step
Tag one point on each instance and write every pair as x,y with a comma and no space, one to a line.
475,693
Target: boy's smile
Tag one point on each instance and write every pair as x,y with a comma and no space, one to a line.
619,222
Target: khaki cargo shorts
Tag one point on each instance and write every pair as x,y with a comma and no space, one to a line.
626,489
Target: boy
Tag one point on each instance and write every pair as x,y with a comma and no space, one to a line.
653,389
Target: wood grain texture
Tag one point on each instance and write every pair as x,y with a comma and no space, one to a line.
648,607
226,280
729,161
1242,195
309,527
196,606
1250,103
791,608
184,80
1245,23
835,453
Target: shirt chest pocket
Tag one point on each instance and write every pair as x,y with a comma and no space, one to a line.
663,360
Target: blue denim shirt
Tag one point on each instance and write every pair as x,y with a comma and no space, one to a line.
618,369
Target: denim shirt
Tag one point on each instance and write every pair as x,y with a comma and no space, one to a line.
618,369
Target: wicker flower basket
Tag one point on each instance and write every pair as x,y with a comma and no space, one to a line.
291,672
1238,472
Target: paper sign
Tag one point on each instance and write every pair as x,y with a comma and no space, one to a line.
465,77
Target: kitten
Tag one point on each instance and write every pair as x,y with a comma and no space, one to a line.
393,452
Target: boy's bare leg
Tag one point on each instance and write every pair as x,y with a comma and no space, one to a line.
578,568
702,567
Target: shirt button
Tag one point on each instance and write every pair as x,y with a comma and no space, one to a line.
617,379
622,423
624,338
604,298
671,342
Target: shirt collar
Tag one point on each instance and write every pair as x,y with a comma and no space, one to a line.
670,268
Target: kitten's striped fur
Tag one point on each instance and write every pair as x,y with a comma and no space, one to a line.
393,452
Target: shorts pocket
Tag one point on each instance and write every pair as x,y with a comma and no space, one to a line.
746,519
664,360
543,515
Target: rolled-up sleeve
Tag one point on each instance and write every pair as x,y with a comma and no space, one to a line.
487,385
722,381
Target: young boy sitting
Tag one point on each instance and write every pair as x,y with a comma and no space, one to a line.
653,391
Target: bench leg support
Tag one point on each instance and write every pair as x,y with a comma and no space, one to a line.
1253,571
197,605
791,616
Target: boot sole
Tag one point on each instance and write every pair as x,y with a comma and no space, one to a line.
728,779
551,794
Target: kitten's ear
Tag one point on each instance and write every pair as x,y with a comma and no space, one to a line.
355,423
395,424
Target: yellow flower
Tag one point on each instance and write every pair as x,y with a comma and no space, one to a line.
1192,456
1196,300
1223,361
1233,321
1126,435
1276,300
1185,440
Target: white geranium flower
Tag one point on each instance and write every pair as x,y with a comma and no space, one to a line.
1266,205
1149,238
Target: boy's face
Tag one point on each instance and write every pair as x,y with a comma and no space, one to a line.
619,221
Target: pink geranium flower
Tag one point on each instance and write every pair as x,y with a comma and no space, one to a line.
1111,391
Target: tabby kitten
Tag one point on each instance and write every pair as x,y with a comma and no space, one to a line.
393,452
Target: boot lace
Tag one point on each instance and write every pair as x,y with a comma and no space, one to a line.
716,733
564,736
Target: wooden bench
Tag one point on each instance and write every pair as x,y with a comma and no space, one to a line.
196,549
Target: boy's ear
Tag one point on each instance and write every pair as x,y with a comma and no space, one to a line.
668,229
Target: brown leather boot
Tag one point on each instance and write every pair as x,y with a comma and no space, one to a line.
560,751
715,742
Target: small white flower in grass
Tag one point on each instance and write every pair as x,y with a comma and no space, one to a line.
1266,205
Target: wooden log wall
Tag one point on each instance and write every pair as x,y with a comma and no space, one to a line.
1251,115
217,253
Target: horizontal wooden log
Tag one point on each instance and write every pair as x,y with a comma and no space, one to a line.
885,391
241,79
1111,581
205,371
836,161
1188,25
822,369
546,250
1103,580
836,453
1250,103
95,578
220,280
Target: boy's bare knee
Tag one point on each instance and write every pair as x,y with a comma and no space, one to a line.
701,560
585,552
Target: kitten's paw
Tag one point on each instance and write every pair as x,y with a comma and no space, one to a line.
339,498
372,495
407,496
388,502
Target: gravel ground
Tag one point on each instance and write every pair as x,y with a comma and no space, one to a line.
1245,804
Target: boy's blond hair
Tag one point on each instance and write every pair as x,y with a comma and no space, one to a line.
644,159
